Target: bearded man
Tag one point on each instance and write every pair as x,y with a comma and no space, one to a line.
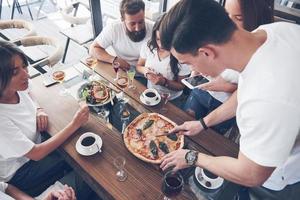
125,36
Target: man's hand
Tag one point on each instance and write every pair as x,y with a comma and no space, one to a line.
218,85
175,160
123,64
41,120
189,128
66,194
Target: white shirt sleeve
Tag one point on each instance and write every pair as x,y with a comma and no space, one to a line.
268,133
3,186
106,37
144,51
183,70
13,143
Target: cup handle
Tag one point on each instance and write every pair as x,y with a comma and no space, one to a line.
99,149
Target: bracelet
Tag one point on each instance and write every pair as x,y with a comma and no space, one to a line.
115,58
203,124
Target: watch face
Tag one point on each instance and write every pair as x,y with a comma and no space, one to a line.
190,156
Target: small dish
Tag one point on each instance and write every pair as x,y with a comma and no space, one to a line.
208,184
89,150
148,103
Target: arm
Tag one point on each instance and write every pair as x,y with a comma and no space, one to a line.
240,170
226,111
41,116
16,193
100,53
219,85
41,150
233,169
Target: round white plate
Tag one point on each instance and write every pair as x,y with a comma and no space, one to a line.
214,184
149,103
82,152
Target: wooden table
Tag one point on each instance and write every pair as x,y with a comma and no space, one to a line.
144,180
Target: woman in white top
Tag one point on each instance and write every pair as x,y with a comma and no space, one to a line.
161,68
24,161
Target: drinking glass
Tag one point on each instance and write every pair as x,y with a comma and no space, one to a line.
165,95
124,115
119,163
104,114
172,185
131,73
116,66
92,63
59,75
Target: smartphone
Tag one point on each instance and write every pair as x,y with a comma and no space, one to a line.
193,82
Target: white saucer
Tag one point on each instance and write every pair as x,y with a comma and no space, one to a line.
150,103
79,149
214,184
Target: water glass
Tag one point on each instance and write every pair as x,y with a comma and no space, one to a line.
119,163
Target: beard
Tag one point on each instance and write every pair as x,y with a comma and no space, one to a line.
136,36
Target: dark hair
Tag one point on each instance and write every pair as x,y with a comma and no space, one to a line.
131,7
7,52
256,13
190,24
152,44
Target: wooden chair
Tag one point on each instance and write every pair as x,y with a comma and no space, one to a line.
17,24
53,58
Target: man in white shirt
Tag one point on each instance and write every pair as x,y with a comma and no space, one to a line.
266,103
125,36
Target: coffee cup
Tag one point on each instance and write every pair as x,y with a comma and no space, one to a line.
208,176
150,95
90,143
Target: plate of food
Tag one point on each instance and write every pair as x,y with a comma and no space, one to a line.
144,137
96,93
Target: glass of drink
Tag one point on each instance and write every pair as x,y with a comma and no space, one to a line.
59,75
124,116
172,185
119,163
116,66
131,73
92,63
165,95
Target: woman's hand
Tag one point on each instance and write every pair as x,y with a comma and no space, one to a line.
82,115
189,128
41,120
175,160
156,79
66,194
219,84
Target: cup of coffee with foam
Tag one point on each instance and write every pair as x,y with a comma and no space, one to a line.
90,143
150,96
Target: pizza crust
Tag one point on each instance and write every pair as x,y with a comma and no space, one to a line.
137,123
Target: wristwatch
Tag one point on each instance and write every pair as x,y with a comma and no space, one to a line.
191,157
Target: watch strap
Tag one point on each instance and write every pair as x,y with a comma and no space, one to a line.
203,123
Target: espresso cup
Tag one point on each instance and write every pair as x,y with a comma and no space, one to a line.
150,95
90,143
208,176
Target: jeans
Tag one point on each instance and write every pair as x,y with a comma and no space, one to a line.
36,176
202,103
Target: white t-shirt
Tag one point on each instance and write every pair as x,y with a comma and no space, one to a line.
115,35
163,67
18,134
268,112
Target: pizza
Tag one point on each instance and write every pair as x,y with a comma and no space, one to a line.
143,137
